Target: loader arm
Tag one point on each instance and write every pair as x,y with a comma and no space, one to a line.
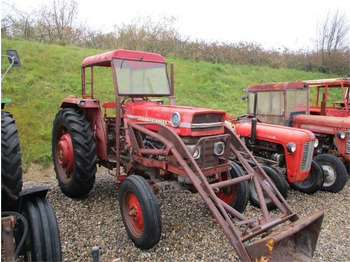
237,227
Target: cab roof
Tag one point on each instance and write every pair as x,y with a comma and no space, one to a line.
333,82
276,86
106,58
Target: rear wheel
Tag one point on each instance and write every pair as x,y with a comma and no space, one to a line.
313,182
236,195
335,175
74,153
140,212
11,165
278,180
43,239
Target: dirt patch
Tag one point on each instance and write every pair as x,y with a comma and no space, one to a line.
38,173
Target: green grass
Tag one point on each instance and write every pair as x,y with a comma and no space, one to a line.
51,72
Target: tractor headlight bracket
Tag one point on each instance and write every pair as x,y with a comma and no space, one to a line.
219,148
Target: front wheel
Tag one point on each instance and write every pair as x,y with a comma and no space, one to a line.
43,239
236,195
313,182
278,180
140,212
74,153
335,175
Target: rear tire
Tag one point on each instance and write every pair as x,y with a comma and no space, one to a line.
74,153
140,212
279,181
236,196
313,182
11,164
43,240
335,175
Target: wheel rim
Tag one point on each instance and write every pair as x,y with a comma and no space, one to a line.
227,194
329,175
133,214
254,194
65,157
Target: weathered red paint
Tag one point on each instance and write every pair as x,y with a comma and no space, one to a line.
282,135
140,119
329,126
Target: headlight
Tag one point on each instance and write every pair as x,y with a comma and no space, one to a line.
175,119
197,153
341,135
316,143
219,148
291,147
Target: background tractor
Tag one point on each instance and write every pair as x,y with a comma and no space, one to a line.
28,223
285,152
150,145
289,104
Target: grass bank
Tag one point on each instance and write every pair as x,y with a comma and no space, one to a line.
51,72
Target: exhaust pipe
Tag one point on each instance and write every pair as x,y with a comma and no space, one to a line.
254,121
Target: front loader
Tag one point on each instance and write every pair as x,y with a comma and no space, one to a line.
150,146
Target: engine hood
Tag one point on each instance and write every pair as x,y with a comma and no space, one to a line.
275,134
186,121
321,124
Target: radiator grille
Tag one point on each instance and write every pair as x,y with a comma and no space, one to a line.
206,122
307,155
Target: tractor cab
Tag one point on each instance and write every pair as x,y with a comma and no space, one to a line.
278,101
332,97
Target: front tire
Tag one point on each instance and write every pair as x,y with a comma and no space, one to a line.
236,195
280,183
74,153
313,182
43,240
140,212
335,175
11,163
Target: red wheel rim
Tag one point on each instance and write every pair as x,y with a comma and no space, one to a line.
227,194
133,215
65,157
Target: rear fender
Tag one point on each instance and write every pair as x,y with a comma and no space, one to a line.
91,109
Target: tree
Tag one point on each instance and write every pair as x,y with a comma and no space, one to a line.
57,22
333,40
16,23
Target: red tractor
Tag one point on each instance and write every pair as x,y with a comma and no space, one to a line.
282,150
289,104
152,146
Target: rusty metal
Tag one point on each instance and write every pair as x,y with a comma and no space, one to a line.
141,122
281,244
7,226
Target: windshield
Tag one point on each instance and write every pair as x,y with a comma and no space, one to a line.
270,103
141,78
297,100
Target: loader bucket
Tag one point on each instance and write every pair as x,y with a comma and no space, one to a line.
294,242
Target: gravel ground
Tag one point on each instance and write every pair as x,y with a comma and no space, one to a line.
190,233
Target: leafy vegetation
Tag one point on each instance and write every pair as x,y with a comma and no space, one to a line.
51,72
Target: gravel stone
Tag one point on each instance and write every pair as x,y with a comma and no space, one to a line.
190,232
